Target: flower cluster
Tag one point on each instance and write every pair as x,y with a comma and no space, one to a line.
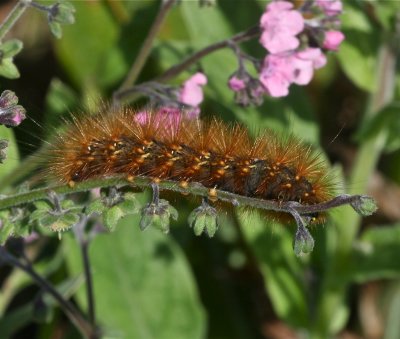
296,47
11,114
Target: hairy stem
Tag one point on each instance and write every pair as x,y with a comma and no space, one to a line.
147,45
12,17
127,94
193,188
70,310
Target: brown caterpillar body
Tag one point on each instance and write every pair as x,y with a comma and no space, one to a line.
212,153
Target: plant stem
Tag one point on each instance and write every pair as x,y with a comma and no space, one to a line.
75,316
129,93
147,45
13,16
168,185
83,241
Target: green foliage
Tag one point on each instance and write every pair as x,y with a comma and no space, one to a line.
158,215
8,50
112,214
204,219
386,121
359,51
142,283
374,256
46,216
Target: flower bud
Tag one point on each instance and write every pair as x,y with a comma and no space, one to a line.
158,215
204,219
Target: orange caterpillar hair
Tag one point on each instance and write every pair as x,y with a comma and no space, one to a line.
212,153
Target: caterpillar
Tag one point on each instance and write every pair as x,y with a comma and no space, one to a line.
164,146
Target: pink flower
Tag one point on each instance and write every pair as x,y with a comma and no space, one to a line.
333,39
304,63
280,25
280,71
191,92
330,7
236,84
11,114
166,117
277,74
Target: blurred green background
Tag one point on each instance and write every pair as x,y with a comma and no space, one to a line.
245,282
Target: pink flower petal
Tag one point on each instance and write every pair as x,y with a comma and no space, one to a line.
304,63
330,7
333,39
277,74
191,92
236,84
313,54
279,6
279,43
280,24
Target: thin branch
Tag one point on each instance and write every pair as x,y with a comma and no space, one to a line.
193,188
70,310
126,94
13,16
147,45
83,240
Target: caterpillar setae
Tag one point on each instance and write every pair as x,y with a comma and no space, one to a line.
217,155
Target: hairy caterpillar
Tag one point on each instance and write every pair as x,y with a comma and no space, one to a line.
166,146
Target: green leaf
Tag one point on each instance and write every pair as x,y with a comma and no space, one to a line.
358,52
204,219
6,228
158,215
3,150
282,271
130,205
55,29
86,46
111,216
386,12
96,206
12,161
8,69
143,285
11,48
375,255
388,120
64,13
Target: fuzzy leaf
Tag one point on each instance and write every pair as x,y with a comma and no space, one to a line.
96,206
158,216
55,29
62,13
10,48
6,228
204,219
3,148
8,69
111,216
65,222
130,204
